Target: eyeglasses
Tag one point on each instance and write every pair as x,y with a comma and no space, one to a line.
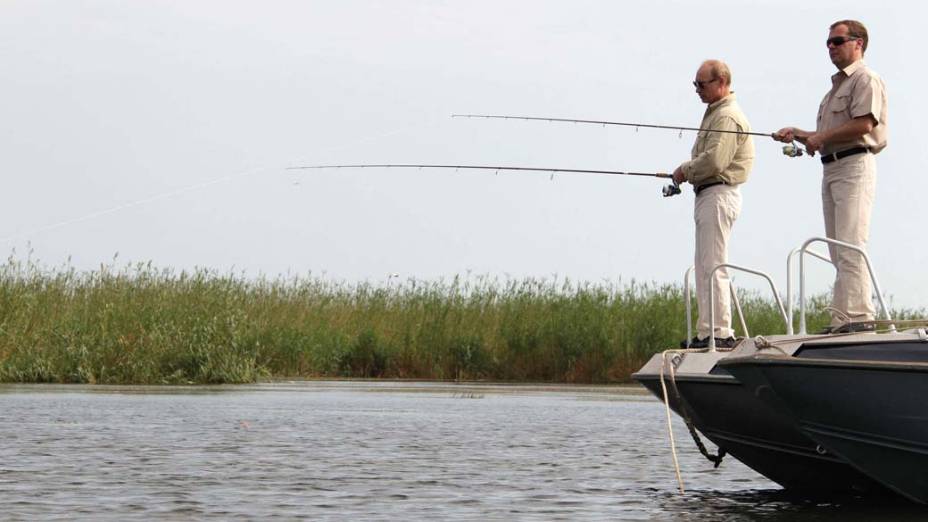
839,40
702,85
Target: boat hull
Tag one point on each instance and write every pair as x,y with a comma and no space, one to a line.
764,439
871,414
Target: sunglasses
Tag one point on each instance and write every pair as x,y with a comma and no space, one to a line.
702,85
839,40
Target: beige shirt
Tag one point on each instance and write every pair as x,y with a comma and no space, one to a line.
856,91
721,156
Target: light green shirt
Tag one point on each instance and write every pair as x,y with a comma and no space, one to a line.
721,156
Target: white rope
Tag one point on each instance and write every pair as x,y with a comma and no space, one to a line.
673,377
673,444
762,343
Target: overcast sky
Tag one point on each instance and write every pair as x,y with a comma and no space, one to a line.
161,130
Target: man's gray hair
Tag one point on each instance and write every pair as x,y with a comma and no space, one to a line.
719,69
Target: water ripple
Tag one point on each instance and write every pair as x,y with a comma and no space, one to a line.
330,451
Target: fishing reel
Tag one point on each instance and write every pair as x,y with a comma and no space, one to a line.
671,190
793,150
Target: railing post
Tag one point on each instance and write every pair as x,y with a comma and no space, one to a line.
689,306
789,284
734,298
773,286
802,279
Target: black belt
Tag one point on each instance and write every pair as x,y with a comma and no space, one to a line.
701,188
828,158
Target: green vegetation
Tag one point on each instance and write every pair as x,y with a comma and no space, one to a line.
142,325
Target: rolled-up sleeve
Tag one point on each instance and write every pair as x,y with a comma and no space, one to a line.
867,99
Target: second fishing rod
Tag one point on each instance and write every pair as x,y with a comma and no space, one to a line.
792,150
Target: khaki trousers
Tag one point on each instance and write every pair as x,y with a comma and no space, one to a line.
716,210
848,187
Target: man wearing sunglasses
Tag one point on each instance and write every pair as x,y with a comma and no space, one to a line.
720,162
850,129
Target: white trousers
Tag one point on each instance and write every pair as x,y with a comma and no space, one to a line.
716,210
848,187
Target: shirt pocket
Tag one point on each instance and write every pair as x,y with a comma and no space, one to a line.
840,104
700,144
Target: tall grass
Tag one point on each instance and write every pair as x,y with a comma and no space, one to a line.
146,325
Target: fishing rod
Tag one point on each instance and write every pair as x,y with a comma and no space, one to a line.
792,150
669,190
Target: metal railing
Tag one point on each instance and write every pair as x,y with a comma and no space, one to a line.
773,286
802,280
689,306
789,283
785,312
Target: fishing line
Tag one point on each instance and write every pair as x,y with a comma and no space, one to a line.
123,206
196,186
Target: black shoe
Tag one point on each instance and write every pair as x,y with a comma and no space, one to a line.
849,328
696,342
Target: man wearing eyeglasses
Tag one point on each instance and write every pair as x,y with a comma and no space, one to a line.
850,129
721,161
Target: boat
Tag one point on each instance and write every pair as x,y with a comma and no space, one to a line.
825,434
744,425
866,406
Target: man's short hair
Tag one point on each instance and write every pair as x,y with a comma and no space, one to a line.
855,29
719,69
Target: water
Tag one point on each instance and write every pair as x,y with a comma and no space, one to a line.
371,451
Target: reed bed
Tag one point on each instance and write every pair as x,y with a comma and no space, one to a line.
144,325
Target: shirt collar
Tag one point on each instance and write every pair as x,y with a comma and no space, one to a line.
849,70
724,101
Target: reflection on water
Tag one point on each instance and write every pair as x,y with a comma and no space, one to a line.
374,451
